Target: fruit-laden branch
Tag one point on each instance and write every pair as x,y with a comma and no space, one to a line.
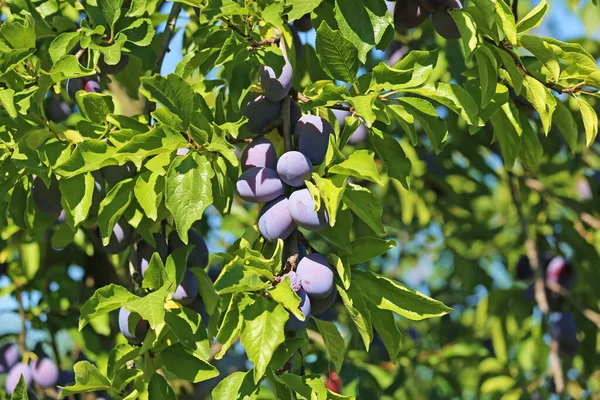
578,88
254,43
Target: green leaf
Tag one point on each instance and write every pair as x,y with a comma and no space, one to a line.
209,295
308,386
366,248
425,113
540,97
531,150
119,356
507,130
95,106
62,45
187,365
365,205
139,32
187,326
544,53
385,77
103,301
488,74
516,74
155,276
172,92
159,389
364,107
176,265
506,20
385,325
232,323
405,119
563,119
334,342
87,379
590,121
20,391
236,276
188,190
148,192
76,197
342,268
398,166
338,57
262,332
468,31
285,295
360,164
332,190
150,307
7,102
235,387
339,234
362,22
113,206
88,156
357,308
393,296
159,140
301,7
533,17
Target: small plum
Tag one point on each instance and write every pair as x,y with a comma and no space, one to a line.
359,135
293,323
434,5
304,23
261,112
187,290
259,185
340,116
294,168
276,87
44,372
9,355
145,252
316,276
120,237
409,14
275,221
114,174
302,211
444,25
561,272
199,255
47,199
564,330
13,376
312,137
319,306
141,328
259,153
115,68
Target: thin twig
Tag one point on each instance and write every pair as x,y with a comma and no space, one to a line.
515,9
555,367
254,43
21,337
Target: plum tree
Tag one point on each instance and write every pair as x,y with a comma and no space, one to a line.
13,376
261,112
294,168
44,372
302,211
114,174
120,238
276,87
259,153
126,318
312,137
112,69
259,185
47,199
564,330
409,14
9,355
561,272
199,255
275,221
316,275
319,306
187,290
145,251
293,323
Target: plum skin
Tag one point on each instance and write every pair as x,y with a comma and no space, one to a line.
409,14
259,185
302,211
12,378
312,137
199,255
187,290
275,221
293,323
294,168
259,153
359,135
145,252
9,355
261,112
444,25
44,372
316,275
275,87
47,199
114,174
319,306
141,328
120,237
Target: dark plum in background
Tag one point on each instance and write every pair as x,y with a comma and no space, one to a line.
141,327
261,112
199,255
312,137
114,174
9,355
47,199
409,14
44,372
187,290
145,251
13,376
276,86
120,238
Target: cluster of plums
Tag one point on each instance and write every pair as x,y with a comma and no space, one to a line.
42,371
409,14
558,271
186,292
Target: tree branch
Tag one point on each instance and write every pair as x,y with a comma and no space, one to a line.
304,98
515,9
21,337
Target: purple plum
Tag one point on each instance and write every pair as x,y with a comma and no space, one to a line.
312,137
141,328
259,153
302,211
44,372
316,275
145,251
261,112
13,376
293,323
276,87
294,168
199,255
187,290
259,185
275,221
